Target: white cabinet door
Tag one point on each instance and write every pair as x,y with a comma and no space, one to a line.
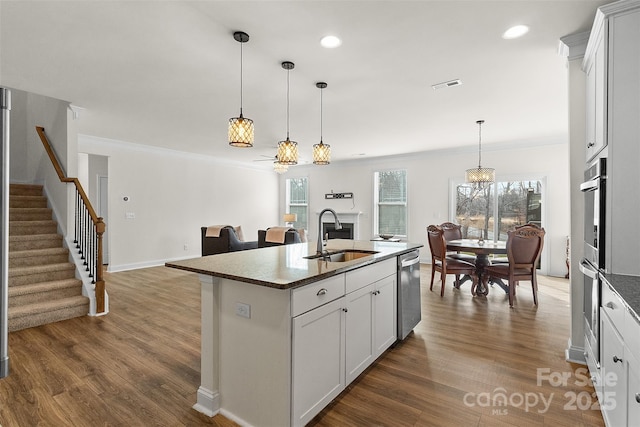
384,314
633,387
318,371
614,375
359,331
596,100
371,324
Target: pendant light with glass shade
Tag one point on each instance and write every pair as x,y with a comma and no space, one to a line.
280,168
321,151
287,149
241,128
480,177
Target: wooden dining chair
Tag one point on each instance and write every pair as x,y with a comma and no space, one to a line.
524,245
453,231
445,265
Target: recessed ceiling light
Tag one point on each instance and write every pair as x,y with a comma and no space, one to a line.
330,42
515,32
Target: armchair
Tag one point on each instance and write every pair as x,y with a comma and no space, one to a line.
291,236
227,241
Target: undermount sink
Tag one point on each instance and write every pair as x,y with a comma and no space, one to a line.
342,256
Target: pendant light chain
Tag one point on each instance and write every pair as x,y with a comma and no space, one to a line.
480,142
321,114
241,76
288,72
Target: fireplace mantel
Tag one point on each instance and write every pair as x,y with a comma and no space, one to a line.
352,217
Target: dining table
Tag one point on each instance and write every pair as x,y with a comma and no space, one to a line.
481,249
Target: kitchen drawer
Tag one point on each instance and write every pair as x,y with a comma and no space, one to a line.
356,279
632,334
614,307
316,294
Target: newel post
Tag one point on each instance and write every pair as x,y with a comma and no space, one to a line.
100,229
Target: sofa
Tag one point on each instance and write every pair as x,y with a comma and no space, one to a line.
227,241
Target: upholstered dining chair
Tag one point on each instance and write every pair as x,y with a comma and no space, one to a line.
524,245
454,232
445,265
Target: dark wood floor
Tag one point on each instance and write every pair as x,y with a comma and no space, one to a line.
140,365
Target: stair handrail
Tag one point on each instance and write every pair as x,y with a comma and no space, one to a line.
90,247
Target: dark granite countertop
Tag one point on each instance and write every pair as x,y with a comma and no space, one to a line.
628,287
284,267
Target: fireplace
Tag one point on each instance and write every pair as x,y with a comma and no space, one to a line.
328,228
350,222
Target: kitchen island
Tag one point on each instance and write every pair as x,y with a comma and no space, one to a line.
283,335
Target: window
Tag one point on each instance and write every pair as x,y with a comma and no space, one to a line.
390,202
298,200
498,208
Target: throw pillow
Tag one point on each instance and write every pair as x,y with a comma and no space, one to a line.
238,231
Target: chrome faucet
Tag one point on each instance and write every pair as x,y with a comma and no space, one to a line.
338,226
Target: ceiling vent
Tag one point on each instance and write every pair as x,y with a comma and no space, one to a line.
450,83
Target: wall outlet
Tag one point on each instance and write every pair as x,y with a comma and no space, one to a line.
130,215
186,247
243,310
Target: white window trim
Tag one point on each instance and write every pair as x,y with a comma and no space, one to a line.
374,225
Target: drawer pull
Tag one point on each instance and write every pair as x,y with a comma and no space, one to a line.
638,397
345,309
591,144
322,291
616,359
610,305
375,293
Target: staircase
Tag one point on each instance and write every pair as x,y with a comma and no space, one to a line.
42,284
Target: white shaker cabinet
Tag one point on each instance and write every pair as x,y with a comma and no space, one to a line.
334,342
612,64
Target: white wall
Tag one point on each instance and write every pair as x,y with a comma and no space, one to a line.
172,194
429,178
29,161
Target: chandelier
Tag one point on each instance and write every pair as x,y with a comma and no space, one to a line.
480,177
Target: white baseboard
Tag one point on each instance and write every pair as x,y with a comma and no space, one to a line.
208,402
574,354
145,264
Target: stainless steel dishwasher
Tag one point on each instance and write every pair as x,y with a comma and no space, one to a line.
409,306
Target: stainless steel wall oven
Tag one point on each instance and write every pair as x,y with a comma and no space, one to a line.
594,190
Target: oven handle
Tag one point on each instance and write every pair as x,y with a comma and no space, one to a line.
586,269
590,185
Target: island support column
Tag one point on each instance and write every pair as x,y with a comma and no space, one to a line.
208,395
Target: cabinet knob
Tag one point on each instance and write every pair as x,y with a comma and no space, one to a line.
638,397
610,305
591,144
345,309
322,291
616,359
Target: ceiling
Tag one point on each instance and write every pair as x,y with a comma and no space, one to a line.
167,73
